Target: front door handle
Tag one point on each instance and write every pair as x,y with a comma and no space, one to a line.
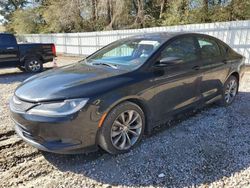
10,48
196,67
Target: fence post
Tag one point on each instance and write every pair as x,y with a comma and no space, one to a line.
40,38
64,43
79,44
97,41
51,39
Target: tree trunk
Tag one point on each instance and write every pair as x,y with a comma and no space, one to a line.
230,10
135,6
205,9
109,11
94,11
14,4
163,5
110,15
139,20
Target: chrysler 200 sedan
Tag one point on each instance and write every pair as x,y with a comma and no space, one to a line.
114,96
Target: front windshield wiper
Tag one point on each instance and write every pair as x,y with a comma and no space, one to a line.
106,64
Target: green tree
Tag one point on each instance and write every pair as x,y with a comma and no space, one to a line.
239,10
177,13
53,16
25,21
61,16
8,7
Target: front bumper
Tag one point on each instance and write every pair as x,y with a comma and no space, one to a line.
66,135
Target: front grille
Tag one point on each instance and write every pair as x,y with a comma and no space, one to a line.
19,105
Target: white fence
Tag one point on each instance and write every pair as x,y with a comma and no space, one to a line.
236,34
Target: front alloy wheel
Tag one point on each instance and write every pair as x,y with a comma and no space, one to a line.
122,129
126,129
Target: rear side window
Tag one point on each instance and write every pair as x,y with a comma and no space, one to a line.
224,49
183,48
6,40
209,48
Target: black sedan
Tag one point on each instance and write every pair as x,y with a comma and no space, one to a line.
114,96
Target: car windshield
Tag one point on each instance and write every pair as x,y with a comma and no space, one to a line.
129,53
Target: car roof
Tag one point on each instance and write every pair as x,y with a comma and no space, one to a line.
163,36
5,33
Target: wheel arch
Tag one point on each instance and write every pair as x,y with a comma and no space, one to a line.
138,101
38,56
236,74
145,110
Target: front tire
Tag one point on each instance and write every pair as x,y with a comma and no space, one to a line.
230,90
122,129
33,65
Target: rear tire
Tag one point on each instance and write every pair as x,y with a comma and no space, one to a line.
33,65
230,89
122,129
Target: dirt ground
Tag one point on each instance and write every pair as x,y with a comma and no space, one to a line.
211,148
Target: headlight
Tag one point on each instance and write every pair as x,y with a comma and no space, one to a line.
55,109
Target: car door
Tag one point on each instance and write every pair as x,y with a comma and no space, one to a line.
8,51
177,87
214,68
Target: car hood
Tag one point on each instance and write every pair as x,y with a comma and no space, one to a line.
73,81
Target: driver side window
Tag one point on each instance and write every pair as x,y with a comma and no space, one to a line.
183,48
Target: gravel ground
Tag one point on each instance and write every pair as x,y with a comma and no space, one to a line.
210,148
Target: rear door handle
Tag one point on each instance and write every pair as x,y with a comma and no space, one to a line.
10,48
196,67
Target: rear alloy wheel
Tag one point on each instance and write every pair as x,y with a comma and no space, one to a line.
122,129
33,65
230,90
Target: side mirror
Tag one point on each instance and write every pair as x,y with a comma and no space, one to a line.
169,61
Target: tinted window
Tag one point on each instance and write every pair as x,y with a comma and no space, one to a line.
209,48
6,40
128,52
224,49
121,51
183,48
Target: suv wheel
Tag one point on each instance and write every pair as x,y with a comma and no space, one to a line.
33,65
